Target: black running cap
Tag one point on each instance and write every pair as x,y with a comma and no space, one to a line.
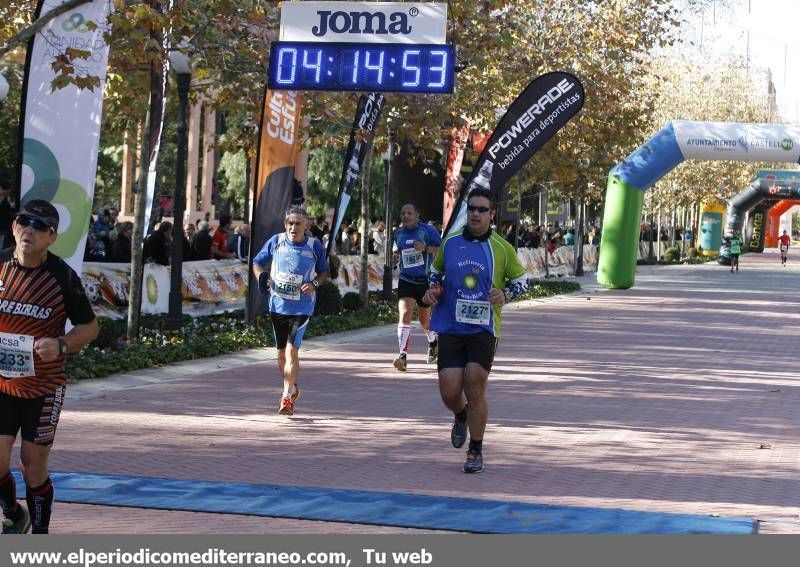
41,210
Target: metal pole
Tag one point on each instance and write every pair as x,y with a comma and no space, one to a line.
363,284
387,208
175,314
658,233
519,218
578,247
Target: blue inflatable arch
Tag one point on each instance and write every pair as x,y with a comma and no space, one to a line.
677,141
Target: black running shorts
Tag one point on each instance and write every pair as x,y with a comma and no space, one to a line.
413,290
288,328
456,351
37,418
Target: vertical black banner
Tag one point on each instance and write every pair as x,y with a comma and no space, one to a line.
367,115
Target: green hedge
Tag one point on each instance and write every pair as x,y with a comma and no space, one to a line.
203,337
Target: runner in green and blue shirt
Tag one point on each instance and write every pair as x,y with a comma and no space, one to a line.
474,273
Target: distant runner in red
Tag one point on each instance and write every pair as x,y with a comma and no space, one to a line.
39,292
784,241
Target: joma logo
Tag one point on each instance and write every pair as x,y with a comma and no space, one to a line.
361,23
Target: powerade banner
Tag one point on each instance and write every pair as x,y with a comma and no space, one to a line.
542,109
367,116
61,127
274,178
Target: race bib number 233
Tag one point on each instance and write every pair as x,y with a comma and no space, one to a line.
16,356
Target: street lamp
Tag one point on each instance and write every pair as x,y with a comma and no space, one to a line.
387,209
182,65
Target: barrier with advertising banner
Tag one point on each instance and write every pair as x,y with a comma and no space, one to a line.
560,263
217,286
209,287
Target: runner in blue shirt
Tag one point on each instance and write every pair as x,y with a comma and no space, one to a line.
289,268
415,245
475,272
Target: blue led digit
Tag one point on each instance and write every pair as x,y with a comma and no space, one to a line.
359,66
414,68
373,67
355,68
441,68
316,65
282,66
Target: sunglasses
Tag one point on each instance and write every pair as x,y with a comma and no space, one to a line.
476,209
35,224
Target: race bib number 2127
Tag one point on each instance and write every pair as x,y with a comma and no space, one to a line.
473,312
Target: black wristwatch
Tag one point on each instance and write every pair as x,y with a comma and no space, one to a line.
62,346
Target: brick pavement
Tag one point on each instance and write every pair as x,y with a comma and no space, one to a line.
656,398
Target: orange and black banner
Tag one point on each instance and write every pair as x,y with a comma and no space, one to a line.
274,181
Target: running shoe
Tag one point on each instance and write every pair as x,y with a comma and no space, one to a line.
433,351
458,434
400,362
287,406
21,526
296,393
474,463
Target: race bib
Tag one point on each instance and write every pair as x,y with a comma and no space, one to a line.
473,312
412,258
287,285
16,356
784,247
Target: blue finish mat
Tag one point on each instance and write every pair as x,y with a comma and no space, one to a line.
377,508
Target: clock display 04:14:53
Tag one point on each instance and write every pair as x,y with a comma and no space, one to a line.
362,67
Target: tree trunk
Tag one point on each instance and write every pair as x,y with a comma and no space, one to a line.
140,203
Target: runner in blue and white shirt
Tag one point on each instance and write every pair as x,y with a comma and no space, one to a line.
289,268
415,245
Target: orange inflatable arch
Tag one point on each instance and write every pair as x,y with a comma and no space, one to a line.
774,220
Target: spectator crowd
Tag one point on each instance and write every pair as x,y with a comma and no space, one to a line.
110,241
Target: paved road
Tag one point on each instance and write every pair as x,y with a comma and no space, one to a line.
679,395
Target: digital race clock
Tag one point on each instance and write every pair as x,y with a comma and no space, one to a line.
392,67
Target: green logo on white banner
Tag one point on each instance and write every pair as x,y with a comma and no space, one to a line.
48,185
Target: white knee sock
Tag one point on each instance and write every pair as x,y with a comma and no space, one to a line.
431,336
403,336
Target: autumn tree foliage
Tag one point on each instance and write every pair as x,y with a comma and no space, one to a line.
726,90
501,44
